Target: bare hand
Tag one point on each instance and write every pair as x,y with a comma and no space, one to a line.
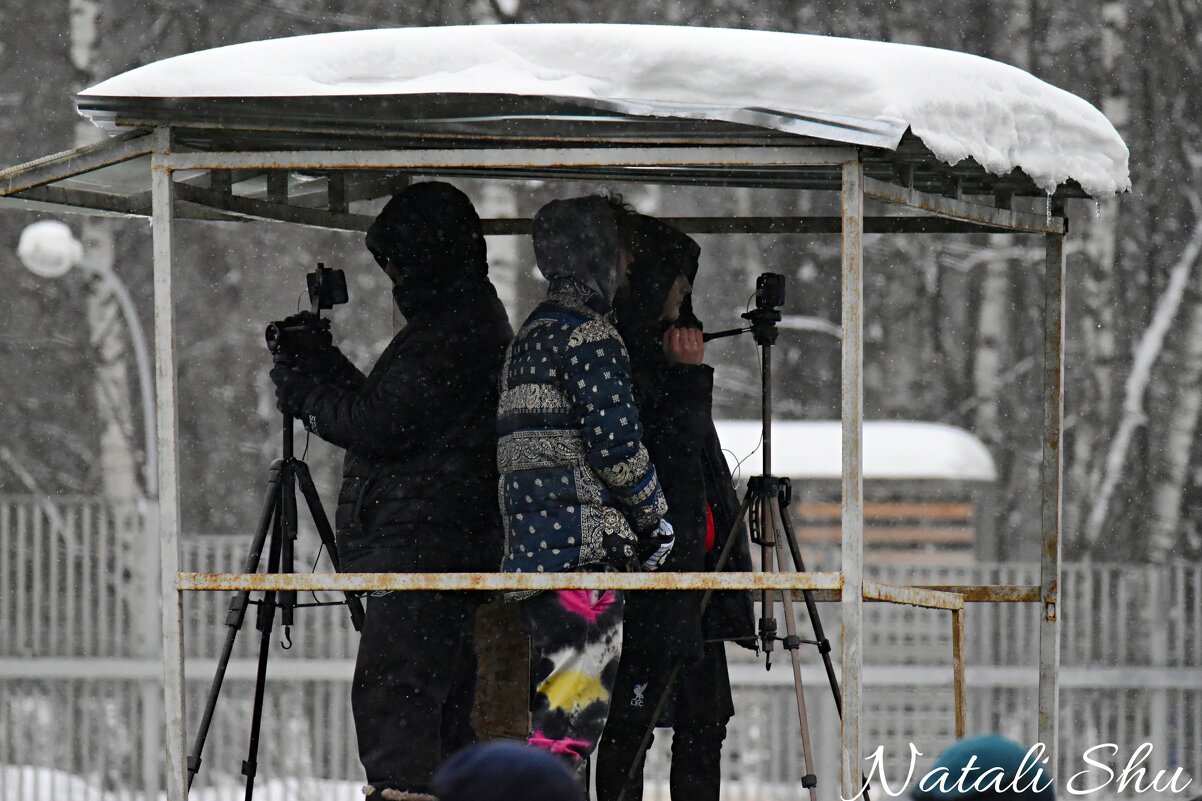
684,345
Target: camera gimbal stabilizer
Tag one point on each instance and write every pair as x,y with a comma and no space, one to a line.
278,520
766,508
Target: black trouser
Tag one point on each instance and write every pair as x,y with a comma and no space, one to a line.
415,684
698,717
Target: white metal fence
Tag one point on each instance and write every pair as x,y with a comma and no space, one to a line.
80,697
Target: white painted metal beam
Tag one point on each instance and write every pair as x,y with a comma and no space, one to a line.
168,530
852,604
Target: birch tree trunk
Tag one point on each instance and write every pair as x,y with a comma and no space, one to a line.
1095,408
108,335
988,364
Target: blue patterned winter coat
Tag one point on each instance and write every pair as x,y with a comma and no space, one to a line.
577,487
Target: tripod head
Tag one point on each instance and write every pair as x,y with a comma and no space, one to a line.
769,297
763,325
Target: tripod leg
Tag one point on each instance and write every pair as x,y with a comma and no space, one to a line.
305,481
763,524
824,645
266,619
287,598
235,616
723,558
793,645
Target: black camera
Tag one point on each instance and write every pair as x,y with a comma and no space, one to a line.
770,291
307,330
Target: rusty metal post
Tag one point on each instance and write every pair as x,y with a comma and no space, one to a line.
171,599
958,673
1051,478
852,606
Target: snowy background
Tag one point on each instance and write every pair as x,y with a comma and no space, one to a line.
952,336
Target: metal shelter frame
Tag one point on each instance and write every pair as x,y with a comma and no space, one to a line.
194,177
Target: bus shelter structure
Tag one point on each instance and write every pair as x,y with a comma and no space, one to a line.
305,160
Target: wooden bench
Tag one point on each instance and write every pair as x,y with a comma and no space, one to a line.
896,531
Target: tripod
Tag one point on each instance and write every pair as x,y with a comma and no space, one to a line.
765,506
277,519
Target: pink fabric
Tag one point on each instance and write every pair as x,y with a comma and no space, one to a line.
564,747
580,603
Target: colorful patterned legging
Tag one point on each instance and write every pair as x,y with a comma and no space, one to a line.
576,637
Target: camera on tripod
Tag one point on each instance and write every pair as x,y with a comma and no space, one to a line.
307,330
769,291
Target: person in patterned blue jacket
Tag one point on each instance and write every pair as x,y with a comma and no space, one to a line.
577,488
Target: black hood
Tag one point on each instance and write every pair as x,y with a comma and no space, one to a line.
578,239
661,253
432,234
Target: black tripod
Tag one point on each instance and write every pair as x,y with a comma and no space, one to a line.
765,505
277,519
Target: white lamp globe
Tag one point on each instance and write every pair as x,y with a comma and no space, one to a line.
49,249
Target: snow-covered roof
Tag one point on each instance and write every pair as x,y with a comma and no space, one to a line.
893,450
862,92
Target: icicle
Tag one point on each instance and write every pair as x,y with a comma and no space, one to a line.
1049,208
1097,209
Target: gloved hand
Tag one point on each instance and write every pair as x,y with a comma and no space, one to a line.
321,363
662,539
291,389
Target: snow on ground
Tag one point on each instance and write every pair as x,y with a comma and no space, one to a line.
893,450
958,104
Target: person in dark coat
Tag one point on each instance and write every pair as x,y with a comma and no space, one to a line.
419,479
577,490
673,388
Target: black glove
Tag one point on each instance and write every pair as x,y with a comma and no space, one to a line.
292,387
322,363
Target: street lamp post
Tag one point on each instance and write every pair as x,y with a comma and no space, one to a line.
49,249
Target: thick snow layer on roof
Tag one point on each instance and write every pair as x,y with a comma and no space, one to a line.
959,105
893,450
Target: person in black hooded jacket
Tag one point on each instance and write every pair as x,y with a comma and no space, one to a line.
673,389
419,479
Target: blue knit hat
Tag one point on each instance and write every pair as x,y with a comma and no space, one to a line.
991,751
504,772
